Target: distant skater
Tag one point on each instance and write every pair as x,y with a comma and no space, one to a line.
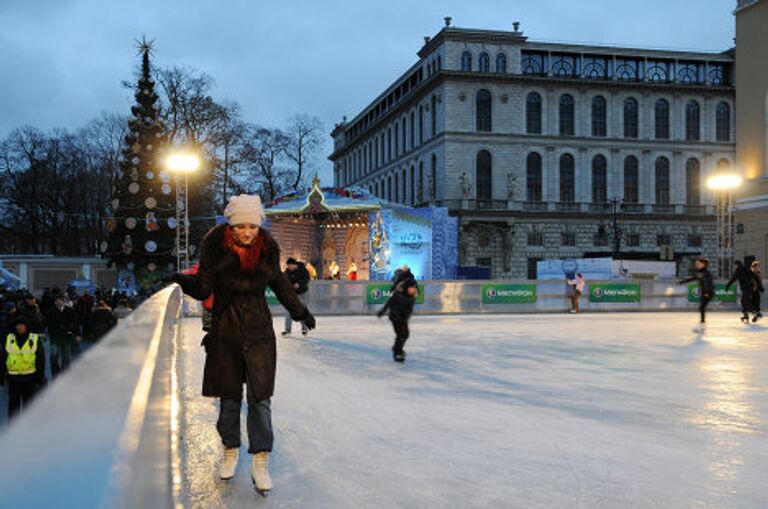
706,289
576,286
746,280
757,291
400,307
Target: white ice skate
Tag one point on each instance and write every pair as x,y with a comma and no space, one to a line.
699,328
260,473
229,463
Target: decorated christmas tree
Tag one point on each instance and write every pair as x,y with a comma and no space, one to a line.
142,227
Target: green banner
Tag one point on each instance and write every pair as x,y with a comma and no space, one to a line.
614,292
508,293
694,293
379,293
271,297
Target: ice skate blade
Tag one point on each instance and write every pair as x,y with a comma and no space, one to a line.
263,493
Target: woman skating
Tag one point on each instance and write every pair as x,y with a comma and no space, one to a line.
706,289
238,261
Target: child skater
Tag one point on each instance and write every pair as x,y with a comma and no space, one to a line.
706,288
400,306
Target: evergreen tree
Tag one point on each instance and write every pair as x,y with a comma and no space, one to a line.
142,229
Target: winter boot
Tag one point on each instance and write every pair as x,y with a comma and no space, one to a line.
229,463
260,472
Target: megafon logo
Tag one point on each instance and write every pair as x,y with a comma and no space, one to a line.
598,292
697,292
376,293
490,293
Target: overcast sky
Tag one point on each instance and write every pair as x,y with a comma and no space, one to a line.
61,61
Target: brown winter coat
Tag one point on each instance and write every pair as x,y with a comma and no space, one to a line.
242,336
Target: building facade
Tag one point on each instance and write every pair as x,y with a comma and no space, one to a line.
549,150
751,214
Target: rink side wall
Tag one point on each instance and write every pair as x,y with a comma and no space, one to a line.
455,297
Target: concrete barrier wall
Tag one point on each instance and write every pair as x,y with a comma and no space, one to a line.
101,434
450,297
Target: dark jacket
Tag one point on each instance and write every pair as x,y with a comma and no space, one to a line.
62,325
402,276
102,321
757,279
745,277
32,314
399,304
38,377
704,278
241,336
299,276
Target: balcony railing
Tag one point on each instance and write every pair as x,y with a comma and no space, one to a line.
663,209
632,208
535,206
695,210
567,206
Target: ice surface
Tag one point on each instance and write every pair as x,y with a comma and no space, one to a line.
530,411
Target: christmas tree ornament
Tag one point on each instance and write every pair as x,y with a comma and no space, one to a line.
166,189
150,246
150,202
130,223
133,188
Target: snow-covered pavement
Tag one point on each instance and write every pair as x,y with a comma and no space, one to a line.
529,411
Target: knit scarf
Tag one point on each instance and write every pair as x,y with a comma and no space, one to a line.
249,255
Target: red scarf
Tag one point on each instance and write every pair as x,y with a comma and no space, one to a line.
249,255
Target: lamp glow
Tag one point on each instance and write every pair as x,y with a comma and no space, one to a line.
724,182
182,162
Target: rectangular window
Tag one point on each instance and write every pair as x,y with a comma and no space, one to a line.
663,239
535,239
694,241
483,262
532,267
600,240
569,239
633,240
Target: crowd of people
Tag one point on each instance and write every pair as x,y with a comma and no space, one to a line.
54,329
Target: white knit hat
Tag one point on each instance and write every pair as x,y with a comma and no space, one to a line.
245,209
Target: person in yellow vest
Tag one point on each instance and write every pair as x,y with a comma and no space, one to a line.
22,365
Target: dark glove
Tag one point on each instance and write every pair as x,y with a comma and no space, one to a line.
380,314
206,342
308,320
171,278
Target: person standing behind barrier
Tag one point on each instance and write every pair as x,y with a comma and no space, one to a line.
63,333
298,276
746,284
28,307
570,291
757,290
706,289
103,319
578,292
22,365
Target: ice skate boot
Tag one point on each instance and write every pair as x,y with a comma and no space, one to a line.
400,357
285,333
745,319
699,328
757,317
229,463
260,473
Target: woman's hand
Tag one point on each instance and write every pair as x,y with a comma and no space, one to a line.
308,320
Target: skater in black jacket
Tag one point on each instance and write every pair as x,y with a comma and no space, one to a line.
400,306
746,280
706,288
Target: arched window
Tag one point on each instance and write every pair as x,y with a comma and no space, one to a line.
389,188
722,165
412,131
630,117
533,113
483,176
599,179
484,62
403,133
433,111
397,139
483,110
723,122
412,191
599,116
420,190
631,180
466,61
692,120
404,195
533,178
662,181
692,182
501,63
567,115
567,179
421,124
397,187
389,144
662,119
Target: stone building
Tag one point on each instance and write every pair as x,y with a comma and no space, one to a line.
542,149
751,215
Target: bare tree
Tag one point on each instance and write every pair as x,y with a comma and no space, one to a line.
303,135
264,151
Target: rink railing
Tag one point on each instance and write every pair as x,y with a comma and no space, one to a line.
453,297
104,433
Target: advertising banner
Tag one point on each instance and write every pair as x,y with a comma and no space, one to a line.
379,293
508,293
694,293
614,292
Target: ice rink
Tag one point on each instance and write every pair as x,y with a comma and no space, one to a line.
529,411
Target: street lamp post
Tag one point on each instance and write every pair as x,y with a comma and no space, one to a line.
182,163
723,184
614,205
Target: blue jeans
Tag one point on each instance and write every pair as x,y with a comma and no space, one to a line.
61,356
259,424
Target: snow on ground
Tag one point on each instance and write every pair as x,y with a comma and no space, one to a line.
529,411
